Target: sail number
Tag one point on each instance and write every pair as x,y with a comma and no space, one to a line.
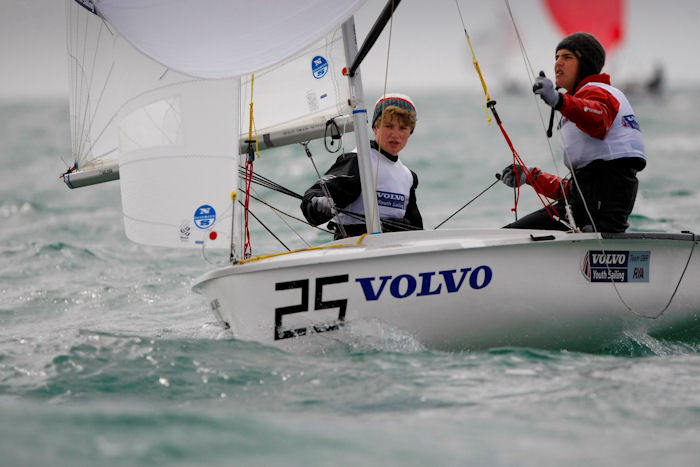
319,304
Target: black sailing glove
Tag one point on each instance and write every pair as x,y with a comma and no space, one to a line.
322,205
514,178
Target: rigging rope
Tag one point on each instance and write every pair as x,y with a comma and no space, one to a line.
279,213
262,201
324,187
250,158
476,64
498,178
491,105
528,65
267,183
381,118
529,71
517,160
680,279
335,134
266,228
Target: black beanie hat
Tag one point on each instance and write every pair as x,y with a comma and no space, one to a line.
589,51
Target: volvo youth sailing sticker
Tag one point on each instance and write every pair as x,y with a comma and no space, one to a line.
392,200
319,66
616,266
204,216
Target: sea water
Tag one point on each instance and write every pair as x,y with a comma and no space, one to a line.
108,358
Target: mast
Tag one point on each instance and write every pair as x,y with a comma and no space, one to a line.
369,198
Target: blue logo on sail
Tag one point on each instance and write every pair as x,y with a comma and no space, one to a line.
204,216
319,66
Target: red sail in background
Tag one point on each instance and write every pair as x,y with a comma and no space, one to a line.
602,18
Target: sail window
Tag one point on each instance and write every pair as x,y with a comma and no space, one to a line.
155,124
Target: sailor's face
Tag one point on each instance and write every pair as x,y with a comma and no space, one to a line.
392,135
566,69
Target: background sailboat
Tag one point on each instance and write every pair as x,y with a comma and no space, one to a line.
607,20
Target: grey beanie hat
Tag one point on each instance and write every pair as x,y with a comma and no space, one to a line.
590,52
399,100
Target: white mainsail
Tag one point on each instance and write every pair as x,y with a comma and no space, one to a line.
293,100
156,102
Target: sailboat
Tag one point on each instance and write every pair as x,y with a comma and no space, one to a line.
161,102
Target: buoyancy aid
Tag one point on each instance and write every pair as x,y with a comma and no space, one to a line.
623,139
393,190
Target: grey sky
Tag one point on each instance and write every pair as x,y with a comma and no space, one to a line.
428,48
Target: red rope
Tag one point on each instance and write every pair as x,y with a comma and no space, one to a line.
247,247
517,160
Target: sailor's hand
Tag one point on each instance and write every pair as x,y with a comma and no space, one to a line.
322,205
544,87
513,175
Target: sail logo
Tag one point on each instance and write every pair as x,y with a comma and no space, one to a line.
392,200
426,283
319,67
630,121
185,232
204,216
616,266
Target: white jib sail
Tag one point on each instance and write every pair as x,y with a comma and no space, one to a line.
178,165
174,135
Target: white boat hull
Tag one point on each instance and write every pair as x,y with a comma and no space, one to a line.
467,289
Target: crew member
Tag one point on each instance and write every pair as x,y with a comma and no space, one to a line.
393,123
601,142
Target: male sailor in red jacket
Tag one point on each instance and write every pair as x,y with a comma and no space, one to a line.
601,142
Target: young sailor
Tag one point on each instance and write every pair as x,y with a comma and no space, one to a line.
393,123
601,142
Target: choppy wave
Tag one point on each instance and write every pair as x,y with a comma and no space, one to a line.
107,357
